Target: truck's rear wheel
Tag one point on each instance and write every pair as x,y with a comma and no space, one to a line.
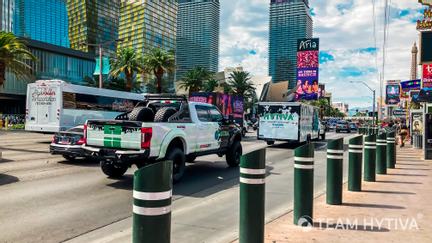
113,170
164,113
142,114
177,156
234,153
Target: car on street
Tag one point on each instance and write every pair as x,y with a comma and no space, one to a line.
343,126
163,127
69,144
353,126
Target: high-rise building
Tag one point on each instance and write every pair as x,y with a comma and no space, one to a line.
145,24
6,15
289,20
42,20
197,36
93,22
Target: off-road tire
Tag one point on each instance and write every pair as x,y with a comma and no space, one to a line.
164,113
234,153
142,114
113,170
178,159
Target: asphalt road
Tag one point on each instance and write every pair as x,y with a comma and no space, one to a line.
47,199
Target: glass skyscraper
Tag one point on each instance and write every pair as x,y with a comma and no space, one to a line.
289,20
6,15
145,24
42,20
197,36
94,22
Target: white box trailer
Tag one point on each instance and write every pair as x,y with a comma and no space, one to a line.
55,105
288,121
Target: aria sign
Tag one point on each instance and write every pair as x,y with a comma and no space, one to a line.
308,44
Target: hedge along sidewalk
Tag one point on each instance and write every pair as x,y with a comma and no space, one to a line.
396,208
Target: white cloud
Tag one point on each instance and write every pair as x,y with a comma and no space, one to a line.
344,28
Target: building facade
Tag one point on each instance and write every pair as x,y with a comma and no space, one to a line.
6,15
53,62
42,20
146,24
197,36
93,22
289,20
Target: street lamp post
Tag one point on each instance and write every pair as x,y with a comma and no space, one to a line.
99,46
373,102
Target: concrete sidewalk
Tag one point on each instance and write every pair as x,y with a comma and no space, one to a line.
396,208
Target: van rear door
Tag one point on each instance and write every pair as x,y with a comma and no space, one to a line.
43,107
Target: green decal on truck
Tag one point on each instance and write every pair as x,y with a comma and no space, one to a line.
112,142
278,116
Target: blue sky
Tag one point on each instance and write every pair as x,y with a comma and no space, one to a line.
348,51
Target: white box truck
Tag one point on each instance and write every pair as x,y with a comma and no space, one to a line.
288,121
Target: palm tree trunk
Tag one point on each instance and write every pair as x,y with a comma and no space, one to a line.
128,81
159,74
2,73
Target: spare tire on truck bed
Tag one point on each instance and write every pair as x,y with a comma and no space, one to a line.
164,113
142,114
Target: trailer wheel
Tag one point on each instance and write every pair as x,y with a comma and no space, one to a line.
164,113
113,170
142,114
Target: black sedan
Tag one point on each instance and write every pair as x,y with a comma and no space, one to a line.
69,143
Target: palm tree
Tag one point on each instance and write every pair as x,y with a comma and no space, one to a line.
14,56
211,85
194,79
127,61
241,84
158,61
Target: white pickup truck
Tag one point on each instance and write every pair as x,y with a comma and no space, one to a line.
162,127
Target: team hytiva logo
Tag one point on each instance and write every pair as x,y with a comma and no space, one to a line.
278,116
308,44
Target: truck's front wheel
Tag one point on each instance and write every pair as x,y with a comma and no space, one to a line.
113,170
178,158
234,153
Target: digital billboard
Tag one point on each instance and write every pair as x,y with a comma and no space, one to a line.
407,86
427,75
392,94
426,47
307,69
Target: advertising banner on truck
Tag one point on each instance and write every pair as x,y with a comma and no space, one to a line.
307,69
279,122
227,104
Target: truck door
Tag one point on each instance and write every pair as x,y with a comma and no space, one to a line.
206,129
221,131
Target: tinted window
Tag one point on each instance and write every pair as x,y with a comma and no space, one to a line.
203,113
98,103
215,114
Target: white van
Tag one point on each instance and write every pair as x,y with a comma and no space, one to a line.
54,105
